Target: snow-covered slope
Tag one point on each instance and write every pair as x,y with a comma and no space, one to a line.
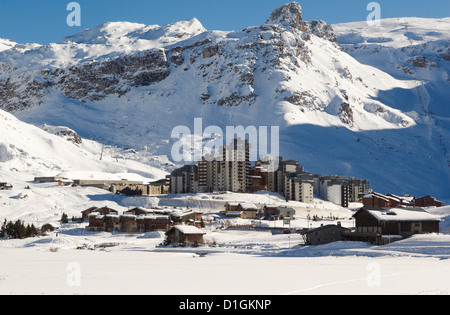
6,44
129,85
410,49
27,151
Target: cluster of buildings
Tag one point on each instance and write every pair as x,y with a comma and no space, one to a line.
232,171
118,186
376,200
139,219
376,226
179,226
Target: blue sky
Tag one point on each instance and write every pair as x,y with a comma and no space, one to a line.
44,21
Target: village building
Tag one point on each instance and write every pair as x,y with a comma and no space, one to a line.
87,212
324,234
186,218
5,186
378,201
258,178
50,179
128,223
231,206
96,222
271,212
112,223
139,211
151,223
102,211
185,234
138,190
105,184
247,210
428,201
384,226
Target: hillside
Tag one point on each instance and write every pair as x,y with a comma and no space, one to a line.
129,85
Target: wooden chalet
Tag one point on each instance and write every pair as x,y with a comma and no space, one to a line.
272,212
248,210
96,222
151,223
324,234
428,201
5,186
186,234
384,226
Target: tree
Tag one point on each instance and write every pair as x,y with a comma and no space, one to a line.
14,230
64,218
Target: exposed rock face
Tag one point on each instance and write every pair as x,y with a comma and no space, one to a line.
422,62
96,80
289,14
65,133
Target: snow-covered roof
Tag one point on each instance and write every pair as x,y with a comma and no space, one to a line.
188,229
249,206
397,214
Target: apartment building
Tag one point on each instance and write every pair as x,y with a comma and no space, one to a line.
299,187
184,180
229,171
333,188
276,179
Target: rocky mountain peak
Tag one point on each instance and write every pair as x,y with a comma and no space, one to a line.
288,14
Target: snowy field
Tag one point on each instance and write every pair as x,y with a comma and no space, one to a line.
75,261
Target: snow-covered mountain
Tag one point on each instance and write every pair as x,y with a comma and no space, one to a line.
129,85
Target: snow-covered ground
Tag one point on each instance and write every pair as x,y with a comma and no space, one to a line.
243,262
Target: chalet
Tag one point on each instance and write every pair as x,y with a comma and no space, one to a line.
231,206
139,211
128,223
382,226
186,217
96,222
112,223
376,200
5,186
278,213
105,211
150,223
269,211
249,210
324,234
87,212
428,201
185,234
